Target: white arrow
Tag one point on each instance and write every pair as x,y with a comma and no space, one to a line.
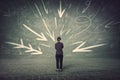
85,49
45,24
60,11
46,10
29,48
41,37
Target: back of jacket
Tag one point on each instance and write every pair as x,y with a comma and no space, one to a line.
59,46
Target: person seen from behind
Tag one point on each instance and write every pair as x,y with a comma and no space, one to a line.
59,54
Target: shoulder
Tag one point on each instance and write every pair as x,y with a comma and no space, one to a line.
56,43
61,42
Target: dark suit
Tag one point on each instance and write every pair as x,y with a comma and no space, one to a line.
59,55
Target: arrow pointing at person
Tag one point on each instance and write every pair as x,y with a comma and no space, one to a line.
46,10
60,11
85,49
40,37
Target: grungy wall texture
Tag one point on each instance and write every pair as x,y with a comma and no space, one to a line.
85,26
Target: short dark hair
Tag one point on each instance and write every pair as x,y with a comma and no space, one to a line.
58,38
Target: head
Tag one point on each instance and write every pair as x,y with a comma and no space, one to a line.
58,38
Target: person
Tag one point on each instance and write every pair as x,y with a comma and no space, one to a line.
59,54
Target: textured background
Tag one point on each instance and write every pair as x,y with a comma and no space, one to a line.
91,21
84,23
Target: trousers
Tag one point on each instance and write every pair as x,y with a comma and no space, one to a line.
59,61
